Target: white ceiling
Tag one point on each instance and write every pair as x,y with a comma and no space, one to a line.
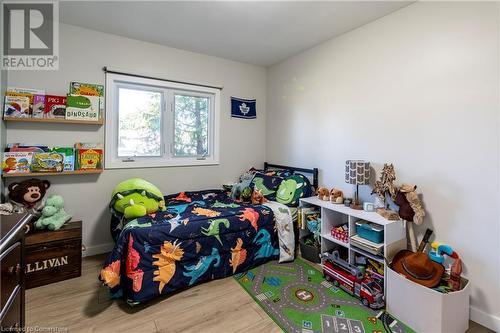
261,33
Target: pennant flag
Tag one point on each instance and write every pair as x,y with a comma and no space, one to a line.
243,108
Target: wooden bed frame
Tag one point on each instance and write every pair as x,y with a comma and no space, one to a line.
313,171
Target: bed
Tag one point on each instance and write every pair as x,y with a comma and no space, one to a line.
201,236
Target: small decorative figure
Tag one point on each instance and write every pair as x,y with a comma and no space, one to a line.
323,194
336,196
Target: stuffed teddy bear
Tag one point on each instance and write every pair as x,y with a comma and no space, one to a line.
135,198
28,193
53,214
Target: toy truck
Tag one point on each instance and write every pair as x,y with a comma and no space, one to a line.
351,279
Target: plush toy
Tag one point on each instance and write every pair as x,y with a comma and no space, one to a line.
246,194
53,214
136,197
323,194
28,193
257,197
336,196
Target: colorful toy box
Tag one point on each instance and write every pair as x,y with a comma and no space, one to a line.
341,233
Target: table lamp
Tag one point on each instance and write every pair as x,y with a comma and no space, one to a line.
357,172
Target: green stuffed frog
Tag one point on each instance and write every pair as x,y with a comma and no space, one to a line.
135,198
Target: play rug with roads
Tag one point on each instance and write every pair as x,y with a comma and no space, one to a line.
297,297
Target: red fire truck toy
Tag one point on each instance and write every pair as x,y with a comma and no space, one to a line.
351,279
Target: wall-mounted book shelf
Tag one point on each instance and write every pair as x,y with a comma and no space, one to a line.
54,120
64,173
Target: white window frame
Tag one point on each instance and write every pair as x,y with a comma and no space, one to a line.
168,89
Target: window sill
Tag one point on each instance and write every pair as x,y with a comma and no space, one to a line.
169,164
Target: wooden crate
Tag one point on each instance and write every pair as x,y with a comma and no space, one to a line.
53,256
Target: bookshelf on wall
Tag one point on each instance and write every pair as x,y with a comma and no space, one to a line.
82,106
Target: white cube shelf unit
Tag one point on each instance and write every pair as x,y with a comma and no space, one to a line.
338,214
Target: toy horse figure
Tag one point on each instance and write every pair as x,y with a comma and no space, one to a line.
263,238
196,271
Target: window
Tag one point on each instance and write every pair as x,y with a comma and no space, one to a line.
151,123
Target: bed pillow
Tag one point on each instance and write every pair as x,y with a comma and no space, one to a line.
293,188
268,185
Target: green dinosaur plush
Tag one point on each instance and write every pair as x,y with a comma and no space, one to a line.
53,214
135,198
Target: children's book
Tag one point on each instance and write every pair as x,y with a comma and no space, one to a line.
69,157
81,107
88,156
55,106
89,89
38,109
25,92
17,162
16,106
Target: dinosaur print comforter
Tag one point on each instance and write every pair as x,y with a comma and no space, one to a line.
202,236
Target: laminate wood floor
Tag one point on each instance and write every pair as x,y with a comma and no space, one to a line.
82,305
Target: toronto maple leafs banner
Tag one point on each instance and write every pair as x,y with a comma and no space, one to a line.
243,108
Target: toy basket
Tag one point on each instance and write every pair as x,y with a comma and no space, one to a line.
341,233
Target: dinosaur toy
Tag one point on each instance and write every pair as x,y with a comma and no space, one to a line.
214,228
136,197
263,238
289,190
53,214
251,215
196,271
259,184
169,254
205,212
133,259
238,255
219,204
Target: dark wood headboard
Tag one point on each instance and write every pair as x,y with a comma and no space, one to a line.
313,172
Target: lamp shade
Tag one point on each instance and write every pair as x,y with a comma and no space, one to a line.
357,172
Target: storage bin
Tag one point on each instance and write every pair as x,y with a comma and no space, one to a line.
371,231
309,252
426,310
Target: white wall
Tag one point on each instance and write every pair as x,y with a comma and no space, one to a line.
83,53
418,88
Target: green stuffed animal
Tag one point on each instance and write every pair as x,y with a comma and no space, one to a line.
53,214
135,198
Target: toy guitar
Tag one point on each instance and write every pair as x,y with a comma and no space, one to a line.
424,241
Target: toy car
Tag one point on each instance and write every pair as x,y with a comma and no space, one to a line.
351,279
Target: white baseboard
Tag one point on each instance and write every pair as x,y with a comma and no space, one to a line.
97,249
487,320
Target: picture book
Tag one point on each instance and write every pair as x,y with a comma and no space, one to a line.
86,89
26,147
16,106
25,92
55,106
80,107
89,155
47,162
69,157
89,89
38,109
17,162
